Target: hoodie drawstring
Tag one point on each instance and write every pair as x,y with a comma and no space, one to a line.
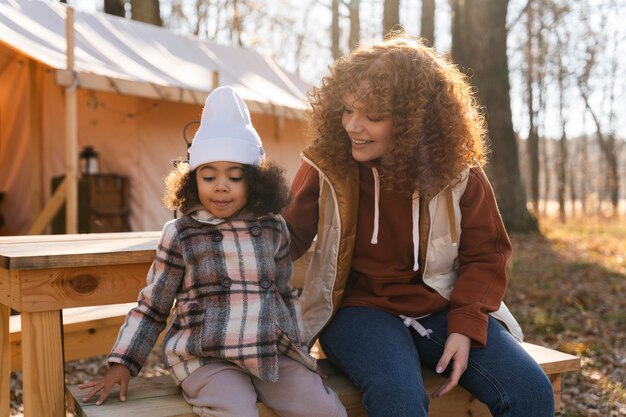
374,240
412,322
416,232
415,218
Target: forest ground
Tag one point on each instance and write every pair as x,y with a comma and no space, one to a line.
567,288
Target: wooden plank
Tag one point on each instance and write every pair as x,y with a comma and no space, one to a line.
83,316
44,290
64,251
165,406
552,361
15,286
5,364
43,379
142,389
5,292
81,238
154,397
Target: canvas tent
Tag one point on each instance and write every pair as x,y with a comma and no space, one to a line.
136,87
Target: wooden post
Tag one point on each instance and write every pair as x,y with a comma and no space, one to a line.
5,370
71,128
215,79
42,359
35,147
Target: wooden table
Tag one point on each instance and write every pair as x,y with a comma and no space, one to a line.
40,276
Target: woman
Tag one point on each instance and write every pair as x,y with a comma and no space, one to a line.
410,264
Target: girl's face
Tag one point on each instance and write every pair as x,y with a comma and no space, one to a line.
222,188
369,133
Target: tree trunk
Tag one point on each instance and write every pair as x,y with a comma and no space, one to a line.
147,11
237,25
391,16
562,159
532,145
479,45
532,152
427,28
573,190
608,150
355,25
115,7
545,150
334,30
584,162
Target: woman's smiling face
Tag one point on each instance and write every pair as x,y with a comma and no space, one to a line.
369,133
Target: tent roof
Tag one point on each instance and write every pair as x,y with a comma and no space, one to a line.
133,58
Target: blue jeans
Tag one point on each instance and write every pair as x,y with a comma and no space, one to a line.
383,358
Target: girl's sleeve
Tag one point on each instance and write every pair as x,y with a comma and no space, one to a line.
145,322
303,213
484,250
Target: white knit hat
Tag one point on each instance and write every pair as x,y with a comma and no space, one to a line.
226,132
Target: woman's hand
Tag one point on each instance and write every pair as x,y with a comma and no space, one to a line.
118,374
456,349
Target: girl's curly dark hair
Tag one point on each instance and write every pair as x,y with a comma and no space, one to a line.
439,129
267,188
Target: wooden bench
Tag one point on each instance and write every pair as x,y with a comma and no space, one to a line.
160,397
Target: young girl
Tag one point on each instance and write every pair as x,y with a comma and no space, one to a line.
225,266
410,264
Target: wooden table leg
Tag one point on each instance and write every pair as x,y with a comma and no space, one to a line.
5,366
42,364
556,387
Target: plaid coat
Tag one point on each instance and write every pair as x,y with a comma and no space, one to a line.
229,283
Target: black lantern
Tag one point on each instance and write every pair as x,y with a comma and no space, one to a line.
89,161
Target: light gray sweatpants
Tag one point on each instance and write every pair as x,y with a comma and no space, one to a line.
222,389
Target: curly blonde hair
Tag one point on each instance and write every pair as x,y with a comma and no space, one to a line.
439,129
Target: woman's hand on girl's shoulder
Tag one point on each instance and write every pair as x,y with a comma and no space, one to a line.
118,374
456,350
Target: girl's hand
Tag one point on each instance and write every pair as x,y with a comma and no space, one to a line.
456,349
118,374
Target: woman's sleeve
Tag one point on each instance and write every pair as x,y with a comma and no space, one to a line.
145,322
303,213
484,250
